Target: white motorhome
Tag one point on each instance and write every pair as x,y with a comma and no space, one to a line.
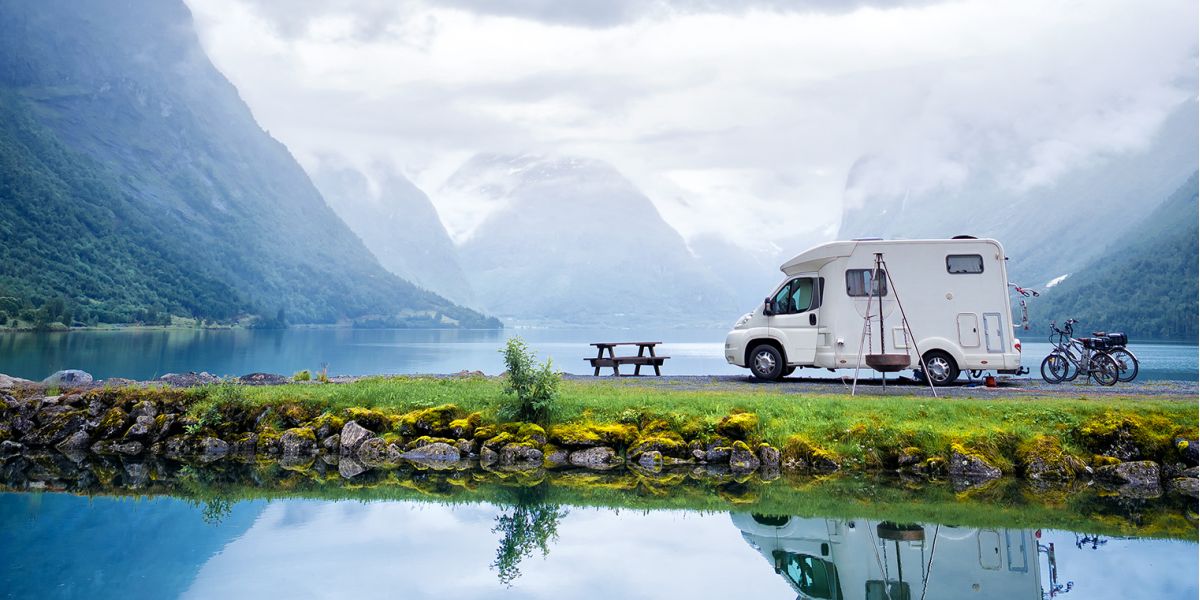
954,293
833,559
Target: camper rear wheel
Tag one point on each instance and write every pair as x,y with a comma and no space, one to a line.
766,362
940,368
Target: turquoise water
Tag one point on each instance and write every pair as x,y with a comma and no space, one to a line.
65,546
148,354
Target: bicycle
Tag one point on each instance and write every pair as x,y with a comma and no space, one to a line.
1072,356
1126,361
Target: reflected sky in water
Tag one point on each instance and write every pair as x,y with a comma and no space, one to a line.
70,547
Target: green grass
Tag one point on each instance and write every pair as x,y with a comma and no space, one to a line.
854,428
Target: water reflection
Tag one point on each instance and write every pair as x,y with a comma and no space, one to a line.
832,559
530,525
104,547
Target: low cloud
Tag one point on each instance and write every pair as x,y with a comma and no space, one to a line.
758,122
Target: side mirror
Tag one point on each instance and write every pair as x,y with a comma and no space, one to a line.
768,308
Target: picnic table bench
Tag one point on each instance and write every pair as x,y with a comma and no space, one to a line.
614,361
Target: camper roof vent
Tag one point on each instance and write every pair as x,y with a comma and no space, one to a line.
964,237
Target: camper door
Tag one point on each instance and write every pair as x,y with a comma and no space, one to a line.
796,308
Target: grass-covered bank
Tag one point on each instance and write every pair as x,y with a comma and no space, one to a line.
863,431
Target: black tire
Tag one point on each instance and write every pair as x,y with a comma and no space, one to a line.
1104,369
940,368
766,362
1127,364
1056,368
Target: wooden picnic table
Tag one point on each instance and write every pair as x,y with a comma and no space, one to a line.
614,361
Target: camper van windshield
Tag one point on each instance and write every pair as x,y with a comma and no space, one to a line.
812,576
858,283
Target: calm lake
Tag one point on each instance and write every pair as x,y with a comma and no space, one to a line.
65,546
146,354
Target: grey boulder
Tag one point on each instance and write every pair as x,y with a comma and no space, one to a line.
68,378
437,451
352,436
600,458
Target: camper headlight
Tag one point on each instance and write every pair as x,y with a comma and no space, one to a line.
742,322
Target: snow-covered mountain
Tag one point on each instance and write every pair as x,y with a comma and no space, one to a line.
572,241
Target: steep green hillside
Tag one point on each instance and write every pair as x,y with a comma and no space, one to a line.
136,183
1144,285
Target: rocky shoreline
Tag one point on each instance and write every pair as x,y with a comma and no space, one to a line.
70,414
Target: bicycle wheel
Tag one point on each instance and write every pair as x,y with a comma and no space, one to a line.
1055,368
1103,369
1127,364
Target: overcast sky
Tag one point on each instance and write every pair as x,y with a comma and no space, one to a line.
741,118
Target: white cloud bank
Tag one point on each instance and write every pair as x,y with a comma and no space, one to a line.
743,121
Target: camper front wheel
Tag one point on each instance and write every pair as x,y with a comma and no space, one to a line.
940,367
766,362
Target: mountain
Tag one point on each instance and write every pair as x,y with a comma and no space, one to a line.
135,182
1145,284
1047,230
572,241
749,276
398,224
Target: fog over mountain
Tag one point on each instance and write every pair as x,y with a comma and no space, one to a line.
745,132
571,241
398,224
1050,229
135,184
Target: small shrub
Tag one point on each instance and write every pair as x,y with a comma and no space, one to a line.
533,386
302,376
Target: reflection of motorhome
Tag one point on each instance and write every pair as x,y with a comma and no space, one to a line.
954,294
834,559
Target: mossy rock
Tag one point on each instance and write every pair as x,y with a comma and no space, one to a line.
1043,458
427,421
575,435
304,433
668,443
800,451
738,426
114,421
327,424
518,431
507,438
1127,436
657,426
485,432
268,442
369,418
465,427
425,440
295,414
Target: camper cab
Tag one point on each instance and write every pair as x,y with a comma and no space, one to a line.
954,293
835,559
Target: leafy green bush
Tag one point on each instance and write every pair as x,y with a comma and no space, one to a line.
534,386
302,376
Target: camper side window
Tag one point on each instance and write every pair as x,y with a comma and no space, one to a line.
964,263
859,283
